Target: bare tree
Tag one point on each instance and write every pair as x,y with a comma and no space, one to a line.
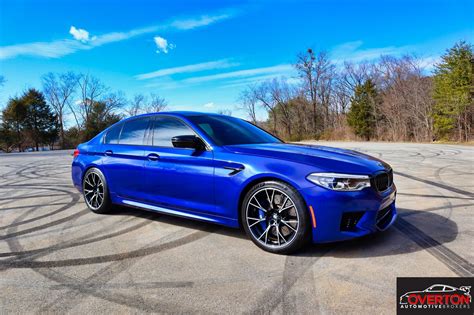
91,89
317,73
59,90
249,105
155,104
114,101
136,105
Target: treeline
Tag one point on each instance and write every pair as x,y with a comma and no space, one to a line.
391,99
40,118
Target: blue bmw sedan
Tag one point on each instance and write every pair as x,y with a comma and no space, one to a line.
228,171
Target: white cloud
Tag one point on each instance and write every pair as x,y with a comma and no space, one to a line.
79,34
428,63
353,51
210,65
53,49
83,41
209,105
203,20
283,69
162,45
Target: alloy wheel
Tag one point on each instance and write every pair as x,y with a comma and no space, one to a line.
272,217
93,190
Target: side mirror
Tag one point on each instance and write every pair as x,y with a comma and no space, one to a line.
188,142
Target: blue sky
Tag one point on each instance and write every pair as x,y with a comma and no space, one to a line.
199,55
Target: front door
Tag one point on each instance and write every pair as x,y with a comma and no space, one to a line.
178,178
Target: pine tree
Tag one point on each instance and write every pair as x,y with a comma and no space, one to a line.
13,121
361,115
453,82
40,122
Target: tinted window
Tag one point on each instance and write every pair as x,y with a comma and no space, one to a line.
166,128
228,130
437,288
113,134
133,131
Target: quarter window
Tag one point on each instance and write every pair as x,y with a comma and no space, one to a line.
133,131
166,128
113,134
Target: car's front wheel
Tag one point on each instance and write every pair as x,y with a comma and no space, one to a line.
95,191
274,215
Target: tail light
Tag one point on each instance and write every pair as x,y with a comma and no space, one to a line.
76,153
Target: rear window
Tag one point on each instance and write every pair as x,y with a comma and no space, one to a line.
133,131
113,134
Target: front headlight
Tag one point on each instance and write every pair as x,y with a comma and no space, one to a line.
342,182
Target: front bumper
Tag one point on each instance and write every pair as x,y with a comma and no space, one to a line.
345,215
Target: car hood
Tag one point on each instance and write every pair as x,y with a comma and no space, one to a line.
328,159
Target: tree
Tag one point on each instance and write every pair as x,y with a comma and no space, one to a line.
136,105
100,117
40,123
156,104
13,120
91,90
317,73
249,105
452,93
59,91
361,114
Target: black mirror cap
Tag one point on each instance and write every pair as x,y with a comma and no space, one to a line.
188,142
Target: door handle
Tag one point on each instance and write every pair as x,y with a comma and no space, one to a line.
108,152
153,157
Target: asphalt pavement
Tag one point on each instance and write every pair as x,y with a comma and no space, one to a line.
56,256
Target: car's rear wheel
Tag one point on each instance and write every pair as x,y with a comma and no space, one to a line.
95,191
274,215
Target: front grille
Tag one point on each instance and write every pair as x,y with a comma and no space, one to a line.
383,181
350,219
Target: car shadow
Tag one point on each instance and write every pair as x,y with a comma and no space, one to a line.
178,221
414,230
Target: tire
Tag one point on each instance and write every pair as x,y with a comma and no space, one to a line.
95,191
275,217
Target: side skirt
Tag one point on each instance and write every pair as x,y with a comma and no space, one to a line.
179,213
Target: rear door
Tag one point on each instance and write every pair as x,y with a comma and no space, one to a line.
124,159
178,178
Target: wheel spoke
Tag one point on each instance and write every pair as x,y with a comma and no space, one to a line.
257,222
250,218
283,204
278,230
264,233
286,208
258,203
278,234
88,183
285,223
268,198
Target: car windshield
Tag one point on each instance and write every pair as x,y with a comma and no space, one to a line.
229,130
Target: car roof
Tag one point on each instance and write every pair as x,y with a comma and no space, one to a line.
179,114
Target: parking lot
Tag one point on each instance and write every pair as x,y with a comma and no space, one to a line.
57,256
